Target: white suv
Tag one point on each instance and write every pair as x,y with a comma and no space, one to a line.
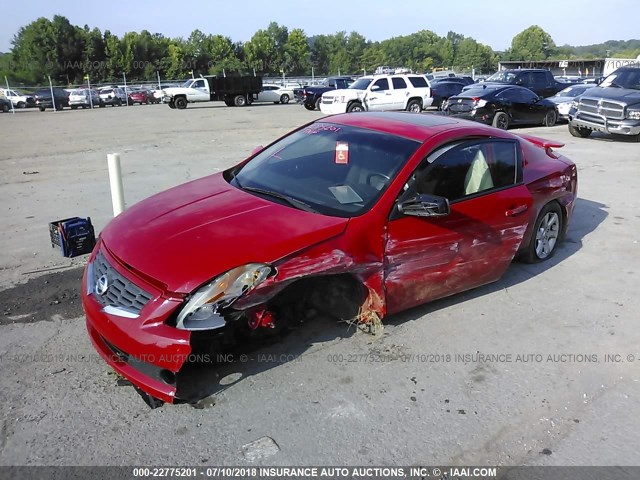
379,93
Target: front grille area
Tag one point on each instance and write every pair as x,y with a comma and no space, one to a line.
122,293
606,108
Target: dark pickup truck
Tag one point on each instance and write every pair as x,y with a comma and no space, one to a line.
311,95
540,81
611,107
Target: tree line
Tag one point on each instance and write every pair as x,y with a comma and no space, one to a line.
68,53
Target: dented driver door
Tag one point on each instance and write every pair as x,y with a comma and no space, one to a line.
432,257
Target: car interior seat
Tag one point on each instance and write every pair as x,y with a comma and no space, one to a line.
478,176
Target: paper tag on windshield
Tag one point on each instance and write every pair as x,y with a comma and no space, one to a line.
342,152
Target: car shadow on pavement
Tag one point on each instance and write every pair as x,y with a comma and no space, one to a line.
199,382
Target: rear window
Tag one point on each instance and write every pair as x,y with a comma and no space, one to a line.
418,82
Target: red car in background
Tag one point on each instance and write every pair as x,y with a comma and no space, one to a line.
140,96
357,216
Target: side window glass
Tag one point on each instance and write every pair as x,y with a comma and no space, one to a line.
461,170
383,83
398,83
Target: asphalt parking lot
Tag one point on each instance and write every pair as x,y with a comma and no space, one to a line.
422,393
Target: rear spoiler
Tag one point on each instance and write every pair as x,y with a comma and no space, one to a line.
548,145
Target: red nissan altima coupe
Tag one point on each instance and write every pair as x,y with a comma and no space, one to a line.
356,216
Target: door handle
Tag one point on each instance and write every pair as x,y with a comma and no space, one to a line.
388,93
514,212
372,98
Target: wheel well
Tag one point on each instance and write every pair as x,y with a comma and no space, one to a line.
336,295
418,99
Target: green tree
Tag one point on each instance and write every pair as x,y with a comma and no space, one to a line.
532,43
296,53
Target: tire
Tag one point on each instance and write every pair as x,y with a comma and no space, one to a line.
501,121
284,98
550,118
180,103
228,103
42,109
119,102
579,132
414,106
547,232
310,107
102,105
21,105
5,108
355,107
317,104
240,101
171,104
73,107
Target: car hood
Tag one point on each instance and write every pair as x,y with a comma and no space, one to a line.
346,92
626,95
185,236
558,100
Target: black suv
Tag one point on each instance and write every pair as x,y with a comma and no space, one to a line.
311,95
43,98
540,81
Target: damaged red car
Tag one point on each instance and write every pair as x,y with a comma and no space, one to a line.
357,216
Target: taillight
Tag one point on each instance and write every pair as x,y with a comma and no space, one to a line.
475,99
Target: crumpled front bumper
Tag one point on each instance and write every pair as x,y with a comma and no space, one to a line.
144,350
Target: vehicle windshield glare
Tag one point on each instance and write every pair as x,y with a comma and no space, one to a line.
361,83
502,77
625,79
187,84
336,170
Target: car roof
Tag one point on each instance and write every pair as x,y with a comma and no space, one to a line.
404,124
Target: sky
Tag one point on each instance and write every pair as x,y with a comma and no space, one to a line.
493,22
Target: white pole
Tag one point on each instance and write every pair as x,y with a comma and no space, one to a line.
53,99
124,76
159,87
312,75
13,109
115,183
89,91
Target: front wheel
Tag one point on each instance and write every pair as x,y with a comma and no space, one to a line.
355,107
501,121
21,105
180,103
414,106
284,98
579,132
550,118
240,100
546,234
310,107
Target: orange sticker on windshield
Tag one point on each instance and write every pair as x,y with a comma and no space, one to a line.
342,152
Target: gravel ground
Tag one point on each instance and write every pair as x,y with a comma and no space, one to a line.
327,394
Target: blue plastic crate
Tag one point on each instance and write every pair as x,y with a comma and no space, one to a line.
74,236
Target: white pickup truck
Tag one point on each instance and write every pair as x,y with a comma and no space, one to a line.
379,93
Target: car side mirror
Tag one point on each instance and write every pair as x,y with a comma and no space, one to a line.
425,206
375,88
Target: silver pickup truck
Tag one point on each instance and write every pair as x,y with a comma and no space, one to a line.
611,107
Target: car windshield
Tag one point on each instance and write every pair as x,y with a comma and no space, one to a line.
502,77
573,91
623,79
361,84
187,84
332,169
